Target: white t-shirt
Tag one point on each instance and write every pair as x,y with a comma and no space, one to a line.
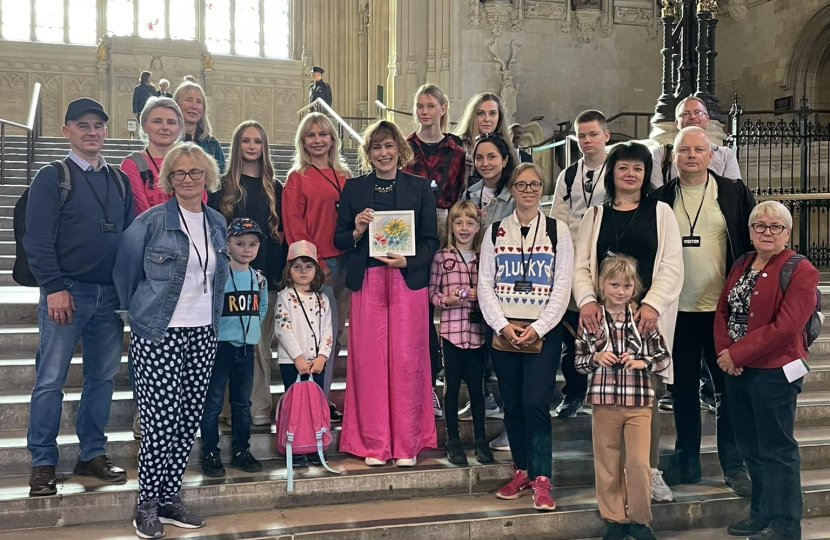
487,194
195,306
585,194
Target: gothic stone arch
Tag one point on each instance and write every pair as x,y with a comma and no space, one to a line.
810,52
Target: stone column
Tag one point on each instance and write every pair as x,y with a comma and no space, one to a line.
378,50
664,111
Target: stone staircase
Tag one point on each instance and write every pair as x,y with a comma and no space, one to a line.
434,500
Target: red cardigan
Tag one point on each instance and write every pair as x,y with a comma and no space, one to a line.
775,333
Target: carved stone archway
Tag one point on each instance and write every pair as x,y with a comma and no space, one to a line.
803,73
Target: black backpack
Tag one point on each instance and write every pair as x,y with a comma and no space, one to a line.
550,231
813,327
21,273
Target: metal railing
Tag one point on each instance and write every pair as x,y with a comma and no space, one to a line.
785,156
33,129
554,155
638,118
342,125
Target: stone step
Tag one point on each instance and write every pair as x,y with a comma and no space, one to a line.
10,188
6,276
6,261
452,503
7,247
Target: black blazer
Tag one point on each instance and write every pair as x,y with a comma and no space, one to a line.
411,193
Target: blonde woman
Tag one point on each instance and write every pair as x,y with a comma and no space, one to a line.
484,114
313,188
170,275
191,99
250,189
388,411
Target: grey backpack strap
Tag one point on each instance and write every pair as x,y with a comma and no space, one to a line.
140,161
120,182
65,179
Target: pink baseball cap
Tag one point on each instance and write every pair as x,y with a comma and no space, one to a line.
302,248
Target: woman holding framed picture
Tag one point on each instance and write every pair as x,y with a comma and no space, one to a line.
387,213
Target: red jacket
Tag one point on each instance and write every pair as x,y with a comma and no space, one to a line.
447,166
775,333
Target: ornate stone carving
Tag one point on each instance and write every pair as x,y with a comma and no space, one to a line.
633,16
738,9
509,89
545,9
474,15
498,13
207,61
587,22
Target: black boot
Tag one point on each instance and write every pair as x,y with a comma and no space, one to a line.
483,452
455,452
614,531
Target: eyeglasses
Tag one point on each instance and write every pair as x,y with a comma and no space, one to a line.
761,228
522,186
696,112
493,135
194,174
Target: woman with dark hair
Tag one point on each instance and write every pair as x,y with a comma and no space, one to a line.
388,412
494,163
634,224
250,189
143,91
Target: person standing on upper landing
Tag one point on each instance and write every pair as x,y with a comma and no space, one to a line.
319,88
71,240
143,91
691,112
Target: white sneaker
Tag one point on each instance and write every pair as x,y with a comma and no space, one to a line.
660,492
501,443
436,406
406,462
260,420
374,462
491,408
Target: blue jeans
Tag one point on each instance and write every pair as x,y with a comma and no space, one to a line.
101,331
233,368
338,297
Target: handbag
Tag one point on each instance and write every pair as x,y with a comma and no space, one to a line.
501,343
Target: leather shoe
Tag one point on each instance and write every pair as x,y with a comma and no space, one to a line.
42,482
740,484
745,527
101,468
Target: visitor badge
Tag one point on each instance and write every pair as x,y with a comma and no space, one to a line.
691,241
523,286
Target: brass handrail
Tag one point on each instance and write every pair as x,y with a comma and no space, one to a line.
383,106
32,128
330,112
794,197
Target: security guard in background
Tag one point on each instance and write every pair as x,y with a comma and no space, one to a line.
319,88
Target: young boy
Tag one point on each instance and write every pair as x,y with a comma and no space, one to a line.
244,306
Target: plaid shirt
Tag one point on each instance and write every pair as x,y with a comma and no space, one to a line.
450,273
619,386
446,166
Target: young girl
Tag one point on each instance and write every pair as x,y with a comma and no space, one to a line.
303,325
621,395
452,287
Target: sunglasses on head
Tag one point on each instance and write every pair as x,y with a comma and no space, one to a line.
487,136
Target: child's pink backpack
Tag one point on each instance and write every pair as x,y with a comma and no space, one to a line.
303,424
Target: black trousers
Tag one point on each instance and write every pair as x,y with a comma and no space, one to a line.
466,364
694,337
763,411
434,346
576,384
527,382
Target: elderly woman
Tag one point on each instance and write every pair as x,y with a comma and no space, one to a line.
192,101
761,344
170,275
634,224
523,298
388,412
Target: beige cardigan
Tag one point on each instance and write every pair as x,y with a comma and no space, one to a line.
666,281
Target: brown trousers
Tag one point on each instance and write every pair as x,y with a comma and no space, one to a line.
654,450
622,436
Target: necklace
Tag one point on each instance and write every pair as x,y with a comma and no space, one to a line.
385,189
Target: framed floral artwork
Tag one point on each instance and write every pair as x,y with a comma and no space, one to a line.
392,232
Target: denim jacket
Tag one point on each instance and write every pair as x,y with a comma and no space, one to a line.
151,265
496,210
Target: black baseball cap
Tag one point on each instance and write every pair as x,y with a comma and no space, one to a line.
81,106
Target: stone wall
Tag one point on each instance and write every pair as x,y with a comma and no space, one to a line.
774,48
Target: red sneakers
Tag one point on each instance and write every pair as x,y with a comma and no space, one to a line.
513,489
542,498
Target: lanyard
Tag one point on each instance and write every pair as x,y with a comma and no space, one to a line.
692,225
526,265
308,321
466,268
207,247
617,235
332,182
253,291
102,204
591,179
152,161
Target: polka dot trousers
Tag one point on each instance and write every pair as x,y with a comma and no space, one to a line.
171,381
